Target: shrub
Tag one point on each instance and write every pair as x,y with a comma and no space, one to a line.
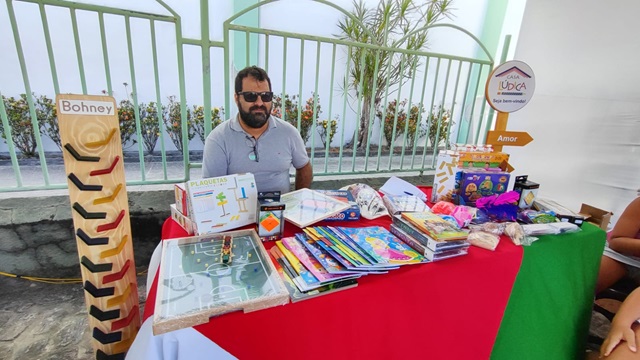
439,113
149,126
327,129
19,119
197,119
292,108
127,121
173,123
48,119
401,123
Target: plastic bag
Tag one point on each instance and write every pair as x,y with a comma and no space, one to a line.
368,200
490,227
484,240
443,207
518,235
463,214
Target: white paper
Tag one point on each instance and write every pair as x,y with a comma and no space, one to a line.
397,186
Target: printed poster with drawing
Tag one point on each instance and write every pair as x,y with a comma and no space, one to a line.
222,203
305,207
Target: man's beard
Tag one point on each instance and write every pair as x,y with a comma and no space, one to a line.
254,120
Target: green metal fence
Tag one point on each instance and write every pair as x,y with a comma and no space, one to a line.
308,68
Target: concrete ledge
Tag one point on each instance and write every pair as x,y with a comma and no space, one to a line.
37,235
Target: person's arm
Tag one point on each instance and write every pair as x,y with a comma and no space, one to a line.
621,329
623,236
304,176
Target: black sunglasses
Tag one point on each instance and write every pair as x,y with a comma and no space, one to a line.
252,96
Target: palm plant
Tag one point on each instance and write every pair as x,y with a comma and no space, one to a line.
393,24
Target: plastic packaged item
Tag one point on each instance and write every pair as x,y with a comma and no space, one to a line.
369,201
550,229
566,227
443,207
463,215
540,229
537,217
517,234
497,208
484,240
490,227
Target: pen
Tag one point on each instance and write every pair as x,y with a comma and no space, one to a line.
408,193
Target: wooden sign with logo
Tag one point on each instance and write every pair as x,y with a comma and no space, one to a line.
92,152
509,88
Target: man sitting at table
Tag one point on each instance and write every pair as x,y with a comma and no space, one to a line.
255,141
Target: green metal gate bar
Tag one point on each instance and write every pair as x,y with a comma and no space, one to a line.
445,78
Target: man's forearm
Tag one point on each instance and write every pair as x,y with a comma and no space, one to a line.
304,176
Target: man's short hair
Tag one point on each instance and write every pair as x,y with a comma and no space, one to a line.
253,71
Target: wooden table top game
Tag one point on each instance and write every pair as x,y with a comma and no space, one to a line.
196,282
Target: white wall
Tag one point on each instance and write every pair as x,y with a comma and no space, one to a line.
585,113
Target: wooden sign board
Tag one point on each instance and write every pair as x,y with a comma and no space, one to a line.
508,138
92,152
510,86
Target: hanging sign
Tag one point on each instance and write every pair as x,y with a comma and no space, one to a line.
511,138
510,86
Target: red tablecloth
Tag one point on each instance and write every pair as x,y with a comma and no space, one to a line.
450,309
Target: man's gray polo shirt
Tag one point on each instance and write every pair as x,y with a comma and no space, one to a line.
230,150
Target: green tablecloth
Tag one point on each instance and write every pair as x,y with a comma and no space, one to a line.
548,313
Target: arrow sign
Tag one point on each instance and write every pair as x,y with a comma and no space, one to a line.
508,138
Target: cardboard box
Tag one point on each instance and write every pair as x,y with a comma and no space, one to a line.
182,203
477,183
352,213
444,180
449,165
481,159
270,217
598,217
222,203
528,191
184,221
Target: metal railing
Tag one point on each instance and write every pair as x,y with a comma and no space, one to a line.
445,86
